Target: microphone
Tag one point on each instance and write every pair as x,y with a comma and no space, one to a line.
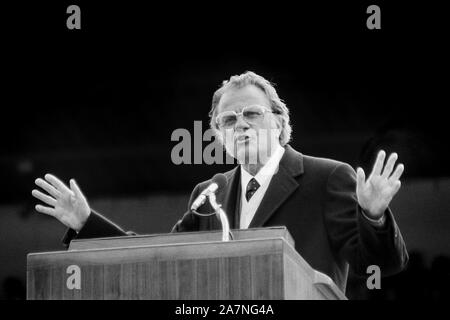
219,181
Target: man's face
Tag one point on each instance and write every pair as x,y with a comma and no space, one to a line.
250,140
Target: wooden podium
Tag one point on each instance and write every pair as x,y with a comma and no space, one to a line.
257,264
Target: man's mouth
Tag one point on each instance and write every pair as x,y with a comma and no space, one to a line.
242,139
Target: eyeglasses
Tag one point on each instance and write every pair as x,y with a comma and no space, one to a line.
251,114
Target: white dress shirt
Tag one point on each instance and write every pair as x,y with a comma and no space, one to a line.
264,176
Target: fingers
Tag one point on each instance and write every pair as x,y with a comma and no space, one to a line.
48,187
58,184
46,210
76,189
397,173
389,165
360,177
378,163
43,197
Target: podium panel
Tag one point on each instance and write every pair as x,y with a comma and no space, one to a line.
257,264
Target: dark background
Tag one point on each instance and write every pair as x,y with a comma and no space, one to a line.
100,104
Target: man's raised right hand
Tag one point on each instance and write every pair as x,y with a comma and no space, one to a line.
69,206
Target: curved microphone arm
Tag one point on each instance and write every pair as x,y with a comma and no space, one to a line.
222,216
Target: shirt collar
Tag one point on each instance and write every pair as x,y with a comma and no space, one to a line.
267,171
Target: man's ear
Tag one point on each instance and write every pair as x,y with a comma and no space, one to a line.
278,123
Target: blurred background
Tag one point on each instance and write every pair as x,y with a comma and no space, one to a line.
100,104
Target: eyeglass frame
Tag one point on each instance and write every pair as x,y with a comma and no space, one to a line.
265,110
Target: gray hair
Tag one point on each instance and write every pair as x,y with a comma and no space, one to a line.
278,106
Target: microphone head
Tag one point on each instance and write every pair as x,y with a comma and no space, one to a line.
221,180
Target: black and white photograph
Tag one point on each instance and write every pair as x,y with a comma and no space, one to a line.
224,151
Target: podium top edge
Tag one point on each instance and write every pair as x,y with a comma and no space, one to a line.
37,254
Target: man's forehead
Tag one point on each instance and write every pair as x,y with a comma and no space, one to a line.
237,98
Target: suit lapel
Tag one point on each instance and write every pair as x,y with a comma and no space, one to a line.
281,186
230,199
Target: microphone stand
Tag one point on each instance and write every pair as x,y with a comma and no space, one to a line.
218,212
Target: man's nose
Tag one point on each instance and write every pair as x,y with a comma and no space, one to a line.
241,124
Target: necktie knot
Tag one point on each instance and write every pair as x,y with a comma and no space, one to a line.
252,186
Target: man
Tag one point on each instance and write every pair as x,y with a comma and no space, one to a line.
335,216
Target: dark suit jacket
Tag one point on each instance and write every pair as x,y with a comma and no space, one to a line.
315,199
